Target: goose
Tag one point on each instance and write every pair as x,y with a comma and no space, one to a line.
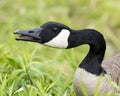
89,71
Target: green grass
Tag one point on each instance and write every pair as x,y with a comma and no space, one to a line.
29,69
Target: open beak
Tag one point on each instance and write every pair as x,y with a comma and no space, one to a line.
31,35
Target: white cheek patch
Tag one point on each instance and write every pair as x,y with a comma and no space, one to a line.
60,41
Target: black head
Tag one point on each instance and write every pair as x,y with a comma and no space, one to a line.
51,30
52,34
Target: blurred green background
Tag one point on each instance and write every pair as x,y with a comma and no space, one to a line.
46,70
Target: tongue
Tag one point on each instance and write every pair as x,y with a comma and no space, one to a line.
24,37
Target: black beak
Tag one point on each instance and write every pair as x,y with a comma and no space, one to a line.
29,35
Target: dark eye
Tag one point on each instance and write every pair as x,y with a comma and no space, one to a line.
55,29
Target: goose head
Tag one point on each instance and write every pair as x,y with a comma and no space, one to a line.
51,34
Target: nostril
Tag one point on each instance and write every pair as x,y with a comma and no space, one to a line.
31,32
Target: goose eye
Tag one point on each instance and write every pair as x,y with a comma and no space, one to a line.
55,29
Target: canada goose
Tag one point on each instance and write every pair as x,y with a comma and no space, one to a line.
58,35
